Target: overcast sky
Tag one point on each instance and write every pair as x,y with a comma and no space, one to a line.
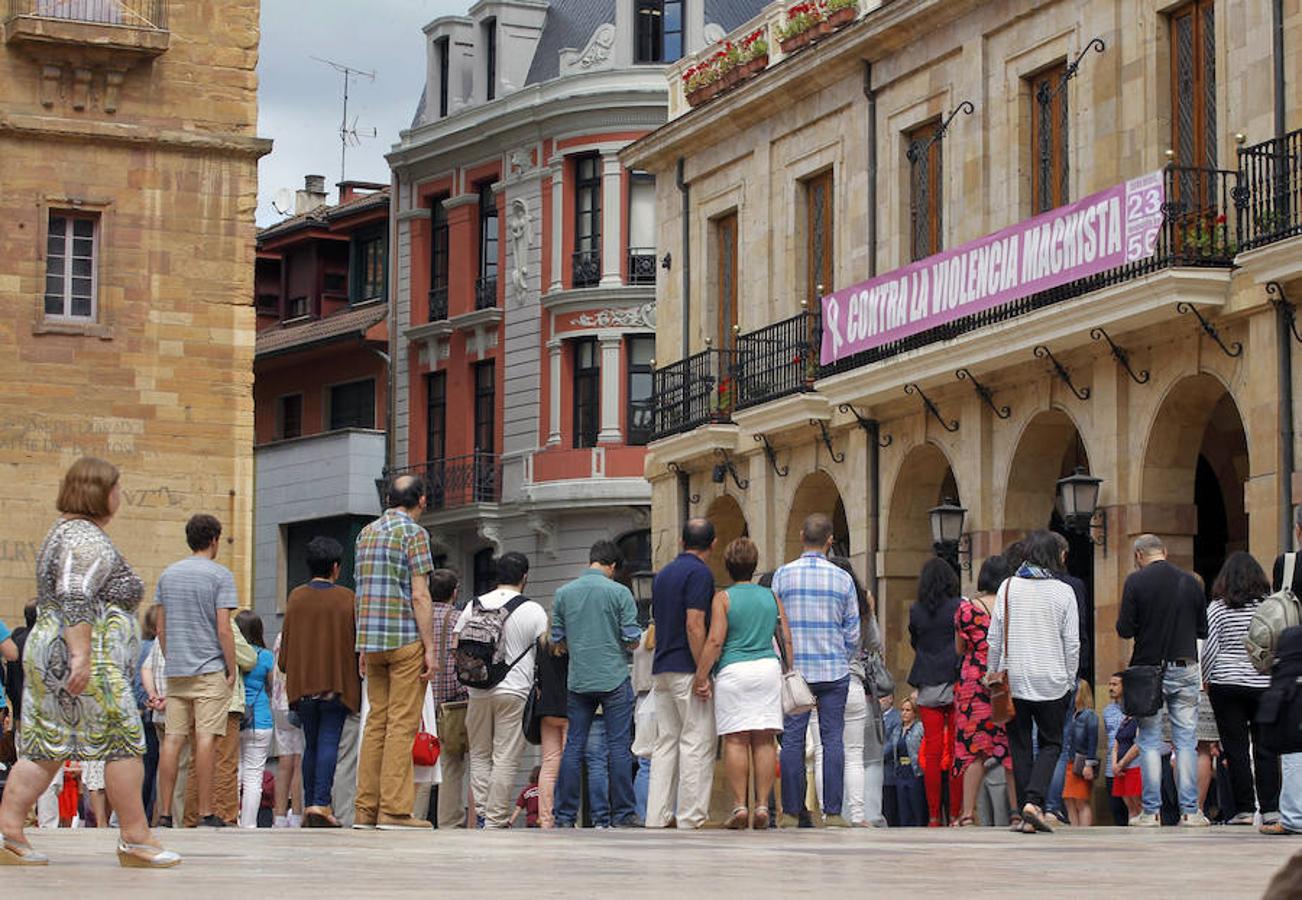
300,99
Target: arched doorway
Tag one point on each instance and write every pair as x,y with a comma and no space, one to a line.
1050,448
924,480
817,492
1195,469
729,524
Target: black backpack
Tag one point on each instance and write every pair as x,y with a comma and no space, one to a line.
1280,711
480,655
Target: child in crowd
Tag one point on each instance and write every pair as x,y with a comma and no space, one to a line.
1127,783
528,802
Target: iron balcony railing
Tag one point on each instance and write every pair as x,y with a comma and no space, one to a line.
438,304
641,265
1270,190
486,292
457,481
778,359
585,268
694,392
151,14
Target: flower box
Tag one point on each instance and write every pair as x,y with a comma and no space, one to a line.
841,17
796,42
755,66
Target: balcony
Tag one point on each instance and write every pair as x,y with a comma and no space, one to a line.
641,265
458,481
485,292
585,268
777,360
1271,189
127,28
438,304
693,392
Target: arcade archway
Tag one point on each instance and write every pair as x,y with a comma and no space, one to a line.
817,492
729,524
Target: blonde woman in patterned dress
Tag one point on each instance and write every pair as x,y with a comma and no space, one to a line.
79,662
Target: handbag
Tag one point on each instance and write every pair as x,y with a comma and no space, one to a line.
451,723
1082,762
425,749
530,721
645,730
877,677
797,698
1002,708
1141,686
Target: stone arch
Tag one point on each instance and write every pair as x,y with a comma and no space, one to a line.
817,492
1049,447
1196,465
729,521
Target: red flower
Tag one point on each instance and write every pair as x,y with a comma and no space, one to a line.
1220,220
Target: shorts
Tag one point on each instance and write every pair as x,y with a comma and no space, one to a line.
1129,783
198,703
289,739
92,774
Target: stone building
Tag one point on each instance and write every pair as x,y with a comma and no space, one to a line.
800,366
524,295
320,380
128,175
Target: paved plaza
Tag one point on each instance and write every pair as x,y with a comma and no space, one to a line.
1100,862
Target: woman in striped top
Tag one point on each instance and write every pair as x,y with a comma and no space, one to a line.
1235,687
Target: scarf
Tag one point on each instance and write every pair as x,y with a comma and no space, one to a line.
1029,570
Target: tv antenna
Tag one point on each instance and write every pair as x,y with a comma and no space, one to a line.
348,134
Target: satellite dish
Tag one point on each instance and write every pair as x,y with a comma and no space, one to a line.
283,202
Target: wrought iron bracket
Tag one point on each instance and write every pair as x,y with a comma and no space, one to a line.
726,467
1045,97
692,499
984,393
870,426
666,261
1283,305
918,150
1182,308
1043,352
827,440
1121,356
951,426
780,471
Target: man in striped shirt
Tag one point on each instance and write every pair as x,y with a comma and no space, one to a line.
823,614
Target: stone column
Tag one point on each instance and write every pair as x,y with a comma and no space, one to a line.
611,377
612,217
558,225
556,346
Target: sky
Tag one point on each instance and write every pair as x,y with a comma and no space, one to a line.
300,100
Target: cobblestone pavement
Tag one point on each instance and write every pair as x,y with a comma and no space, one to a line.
234,865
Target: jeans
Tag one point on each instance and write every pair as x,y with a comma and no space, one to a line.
150,785
255,743
1290,796
911,802
1033,767
642,785
323,724
830,697
1180,688
617,707
1235,707
597,760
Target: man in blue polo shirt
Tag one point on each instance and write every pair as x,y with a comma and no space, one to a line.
682,766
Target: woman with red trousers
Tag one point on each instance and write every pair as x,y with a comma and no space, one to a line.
935,669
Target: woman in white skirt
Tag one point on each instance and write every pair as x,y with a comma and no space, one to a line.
747,681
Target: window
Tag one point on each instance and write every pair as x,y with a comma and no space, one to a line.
658,36
436,414
490,57
334,283
641,406
483,571
725,279
923,155
485,403
443,51
70,266
818,235
587,392
1193,84
438,281
1049,162
641,228
289,417
587,220
367,269
352,405
486,286
297,308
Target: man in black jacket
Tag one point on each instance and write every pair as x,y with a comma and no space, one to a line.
1165,611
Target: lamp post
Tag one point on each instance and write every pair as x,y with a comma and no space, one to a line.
1078,500
642,582
948,539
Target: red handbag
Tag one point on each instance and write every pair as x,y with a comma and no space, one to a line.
425,749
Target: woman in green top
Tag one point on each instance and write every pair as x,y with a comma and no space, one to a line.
747,680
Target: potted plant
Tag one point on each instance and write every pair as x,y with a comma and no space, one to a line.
840,13
754,53
700,82
801,26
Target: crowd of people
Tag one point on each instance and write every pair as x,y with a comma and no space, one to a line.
396,707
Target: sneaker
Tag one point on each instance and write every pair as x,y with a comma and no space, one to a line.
479,822
401,823
836,821
280,822
1146,820
1277,828
630,822
786,820
1243,818
1053,819
212,822
294,821
1194,820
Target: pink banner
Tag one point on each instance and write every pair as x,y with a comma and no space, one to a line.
1094,234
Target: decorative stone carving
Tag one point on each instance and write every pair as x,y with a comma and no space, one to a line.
643,316
639,516
714,33
599,48
517,161
492,532
545,529
520,230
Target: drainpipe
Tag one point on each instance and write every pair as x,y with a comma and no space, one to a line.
873,429
1282,312
871,96
686,255
1277,33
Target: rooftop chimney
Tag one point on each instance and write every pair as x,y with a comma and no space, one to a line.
312,195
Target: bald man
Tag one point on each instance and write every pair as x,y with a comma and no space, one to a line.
395,640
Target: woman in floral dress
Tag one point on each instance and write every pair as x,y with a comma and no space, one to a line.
79,662
977,738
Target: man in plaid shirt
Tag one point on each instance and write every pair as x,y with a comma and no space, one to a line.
823,613
395,639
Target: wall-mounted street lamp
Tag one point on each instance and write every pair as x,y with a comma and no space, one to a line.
642,582
948,538
1078,500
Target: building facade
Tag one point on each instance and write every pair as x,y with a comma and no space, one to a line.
802,365
127,187
321,379
524,291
